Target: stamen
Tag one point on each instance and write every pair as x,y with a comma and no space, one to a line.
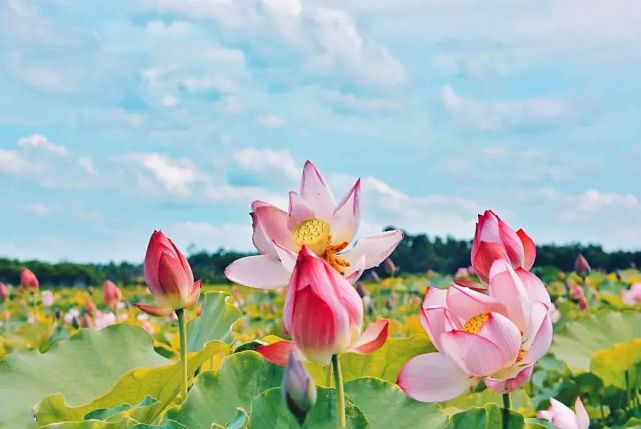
474,325
330,255
521,355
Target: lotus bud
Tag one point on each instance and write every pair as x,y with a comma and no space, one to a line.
90,307
47,298
581,266
28,279
111,294
86,321
390,267
374,276
4,292
298,389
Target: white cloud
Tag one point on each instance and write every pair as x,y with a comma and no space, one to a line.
38,141
87,164
271,121
174,176
267,164
12,163
38,209
498,115
349,101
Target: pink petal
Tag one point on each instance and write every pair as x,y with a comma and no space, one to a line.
373,338
436,321
467,303
511,384
355,269
501,331
529,248
277,353
562,415
261,272
433,377
434,297
274,222
286,256
488,227
485,256
260,240
475,355
173,280
299,210
507,288
539,333
194,294
155,310
512,243
582,418
376,248
316,192
534,287
347,216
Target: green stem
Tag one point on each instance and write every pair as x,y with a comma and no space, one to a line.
328,375
507,404
340,394
182,329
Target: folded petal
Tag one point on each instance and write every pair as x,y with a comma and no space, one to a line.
261,272
467,303
194,294
485,256
259,238
347,216
501,331
375,248
510,384
529,248
278,352
155,310
434,297
474,354
539,334
433,377
286,256
562,415
507,288
534,287
316,192
512,243
355,269
299,210
373,338
582,419
436,321
274,223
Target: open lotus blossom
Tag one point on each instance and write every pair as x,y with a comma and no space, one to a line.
168,277
315,220
495,336
562,416
494,239
111,293
28,279
324,315
632,296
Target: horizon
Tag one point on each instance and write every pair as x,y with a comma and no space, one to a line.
121,118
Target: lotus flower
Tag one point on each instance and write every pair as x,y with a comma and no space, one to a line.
561,416
47,298
28,279
111,293
632,296
323,314
168,277
316,221
298,388
4,291
582,266
494,239
495,336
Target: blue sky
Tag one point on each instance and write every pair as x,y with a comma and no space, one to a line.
120,117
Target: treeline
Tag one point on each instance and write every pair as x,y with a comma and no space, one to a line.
416,254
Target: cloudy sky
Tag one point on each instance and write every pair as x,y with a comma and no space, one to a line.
120,117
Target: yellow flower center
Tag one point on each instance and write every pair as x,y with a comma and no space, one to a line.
474,325
521,355
316,235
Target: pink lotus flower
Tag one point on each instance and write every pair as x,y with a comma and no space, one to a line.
4,291
495,336
632,296
323,314
28,279
47,298
561,416
582,266
313,220
494,239
168,277
111,293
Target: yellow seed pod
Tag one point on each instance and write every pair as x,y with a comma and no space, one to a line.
313,233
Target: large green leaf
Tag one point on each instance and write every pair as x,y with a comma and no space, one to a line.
578,340
488,417
269,412
121,423
386,406
161,383
520,401
81,367
214,322
216,395
385,363
619,365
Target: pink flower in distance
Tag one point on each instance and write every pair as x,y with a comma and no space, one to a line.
562,416
111,293
323,314
315,220
582,266
4,291
494,239
495,336
168,277
632,296
28,279
47,298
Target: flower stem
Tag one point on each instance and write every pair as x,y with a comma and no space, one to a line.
507,404
328,375
182,329
340,394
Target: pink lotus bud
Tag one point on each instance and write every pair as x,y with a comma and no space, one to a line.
562,416
4,291
583,303
323,312
390,267
298,389
168,277
28,279
374,276
86,321
576,291
111,293
90,307
361,290
47,298
494,239
581,266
